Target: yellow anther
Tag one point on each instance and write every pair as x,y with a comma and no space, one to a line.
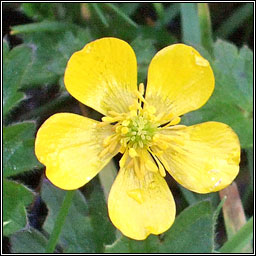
123,159
109,119
141,88
174,121
132,152
122,149
102,124
124,130
162,170
140,97
162,118
106,119
118,128
160,166
125,122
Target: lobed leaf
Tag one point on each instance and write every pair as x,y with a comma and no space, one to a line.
232,100
28,241
18,149
86,228
16,198
192,232
52,51
15,65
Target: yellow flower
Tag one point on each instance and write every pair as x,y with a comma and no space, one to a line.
144,127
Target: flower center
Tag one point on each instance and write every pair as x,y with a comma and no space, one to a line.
137,131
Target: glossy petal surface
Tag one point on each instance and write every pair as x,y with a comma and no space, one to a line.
69,146
103,75
139,207
204,157
180,80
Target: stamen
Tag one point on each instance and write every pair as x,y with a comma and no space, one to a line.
174,121
126,122
141,88
160,166
124,130
108,119
123,159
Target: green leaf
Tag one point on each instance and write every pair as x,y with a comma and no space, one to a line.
52,52
104,231
28,241
39,11
190,24
232,100
192,232
205,26
44,26
16,62
126,245
145,51
68,12
240,240
18,148
16,198
86,227
5,49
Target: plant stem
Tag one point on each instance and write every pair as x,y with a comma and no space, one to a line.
233,213
205,26
190,24
60,220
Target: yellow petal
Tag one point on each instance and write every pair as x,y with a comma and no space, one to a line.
103,75
179,80
69,145
139,207
204,157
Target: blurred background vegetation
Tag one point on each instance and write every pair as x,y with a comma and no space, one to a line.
39,38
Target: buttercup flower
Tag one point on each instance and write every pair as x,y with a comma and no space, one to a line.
143,126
